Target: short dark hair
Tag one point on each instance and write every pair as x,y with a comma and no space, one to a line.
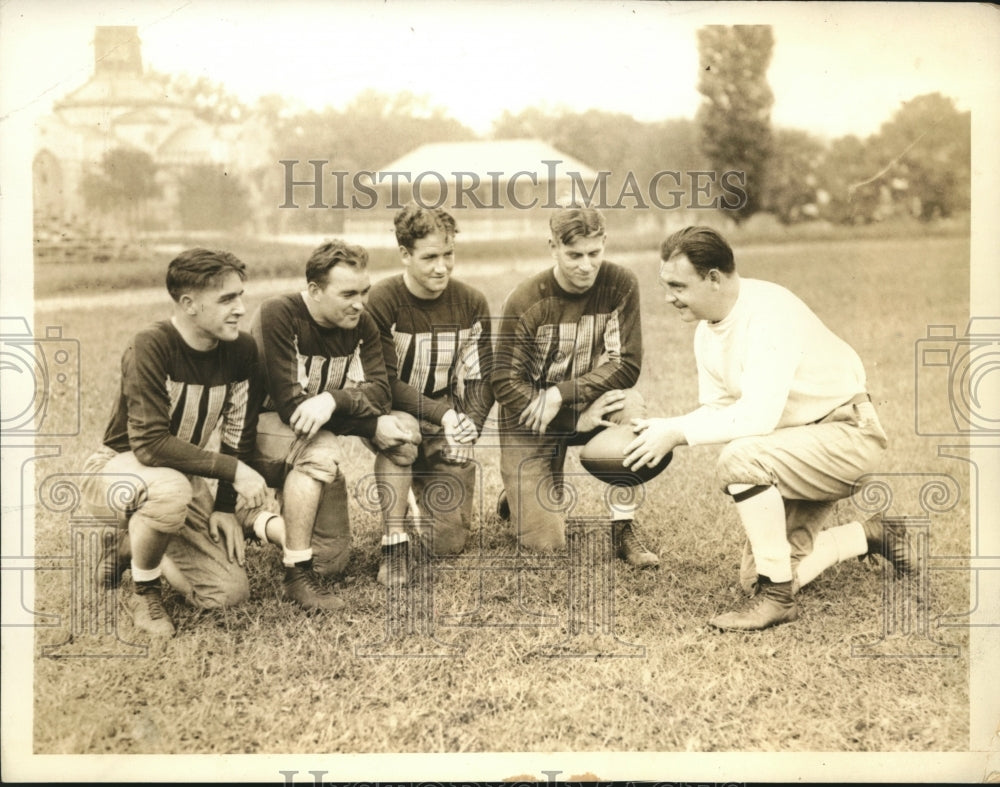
414,222
198,269
569,224
334,252
704,247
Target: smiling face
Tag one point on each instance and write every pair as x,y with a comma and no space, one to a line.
428,265
342,300
694,297
214,312
577,263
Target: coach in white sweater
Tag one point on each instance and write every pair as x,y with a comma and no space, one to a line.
787,398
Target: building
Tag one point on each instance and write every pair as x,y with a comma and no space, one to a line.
494,188
121,107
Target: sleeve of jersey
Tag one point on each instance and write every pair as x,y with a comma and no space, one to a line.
369,396
239,419
514,358
774,352
275,336
477,367
619,366
145,368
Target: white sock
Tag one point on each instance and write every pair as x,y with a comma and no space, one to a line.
265,518
292,556
831,547
763,518
394,538
145,574
622,512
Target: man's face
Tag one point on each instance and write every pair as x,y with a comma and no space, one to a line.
428,265
216,310
577,263
694,297
341,302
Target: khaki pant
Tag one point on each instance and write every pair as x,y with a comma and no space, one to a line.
812,466
176,504
532,469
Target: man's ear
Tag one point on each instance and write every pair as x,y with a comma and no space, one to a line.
404,255
186,302
715,276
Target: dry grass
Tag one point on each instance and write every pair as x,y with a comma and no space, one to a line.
267,678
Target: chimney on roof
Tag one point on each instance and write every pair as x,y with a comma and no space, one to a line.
117,51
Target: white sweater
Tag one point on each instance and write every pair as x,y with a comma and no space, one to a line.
770,363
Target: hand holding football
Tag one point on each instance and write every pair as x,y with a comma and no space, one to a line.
603,454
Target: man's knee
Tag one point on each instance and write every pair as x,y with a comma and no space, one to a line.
634,407
406,454
168,494
320,458
740,462
231,590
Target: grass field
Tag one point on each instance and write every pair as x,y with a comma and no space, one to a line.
266,678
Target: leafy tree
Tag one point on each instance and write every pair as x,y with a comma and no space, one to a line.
210,100
792,175
123,185
208,197
851,195
613,142
928,144
735,117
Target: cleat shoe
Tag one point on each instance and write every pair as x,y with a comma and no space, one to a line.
889,542
115,558
773,605
503,507
148,613
629,548
393,568
303,586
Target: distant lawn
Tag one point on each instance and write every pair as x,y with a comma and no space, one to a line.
267,678
271,259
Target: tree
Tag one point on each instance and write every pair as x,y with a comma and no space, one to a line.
208,197
124,184
735,117
850,193
792,175
928,145
210,100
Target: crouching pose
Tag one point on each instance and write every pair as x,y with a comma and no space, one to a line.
183,379
438,353
787,398
325,378
568,354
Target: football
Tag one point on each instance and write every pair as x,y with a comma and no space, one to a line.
602,457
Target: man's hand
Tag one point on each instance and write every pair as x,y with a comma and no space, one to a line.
250,485
596,414
656,438
224,525
459,428
540,411
389,434
460,434
311,414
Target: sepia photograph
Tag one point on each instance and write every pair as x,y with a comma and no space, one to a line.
563,391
